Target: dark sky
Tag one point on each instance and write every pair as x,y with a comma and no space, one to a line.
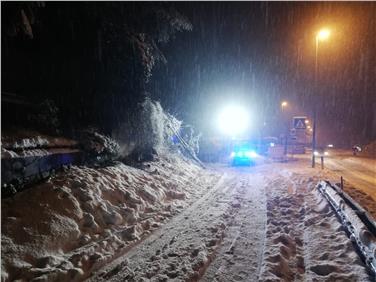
252,53
259,53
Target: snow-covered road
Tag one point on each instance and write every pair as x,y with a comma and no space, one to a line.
359,171
265,223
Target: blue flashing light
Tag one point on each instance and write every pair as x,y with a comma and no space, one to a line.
243,153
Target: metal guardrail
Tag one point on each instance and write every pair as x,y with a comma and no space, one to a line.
359,225
20,173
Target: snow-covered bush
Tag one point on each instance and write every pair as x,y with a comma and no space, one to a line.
158,127
98,147
149,132
155,132
191,138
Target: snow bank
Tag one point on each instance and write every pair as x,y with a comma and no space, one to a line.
64,228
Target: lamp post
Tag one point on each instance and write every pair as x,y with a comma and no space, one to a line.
284,104
322,35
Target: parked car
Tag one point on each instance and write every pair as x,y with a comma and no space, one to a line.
321,152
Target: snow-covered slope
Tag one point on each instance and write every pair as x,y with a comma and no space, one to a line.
79,220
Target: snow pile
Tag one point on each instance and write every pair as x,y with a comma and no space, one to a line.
64,228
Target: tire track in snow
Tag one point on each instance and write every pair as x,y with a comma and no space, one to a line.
183,248
238,257
303,239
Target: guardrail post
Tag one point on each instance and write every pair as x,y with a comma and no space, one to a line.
322,162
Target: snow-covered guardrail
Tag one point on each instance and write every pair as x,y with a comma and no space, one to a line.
17,173
358,224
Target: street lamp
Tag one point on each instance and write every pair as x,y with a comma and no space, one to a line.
283,104
321,35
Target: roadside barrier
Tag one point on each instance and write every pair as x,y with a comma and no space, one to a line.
359,225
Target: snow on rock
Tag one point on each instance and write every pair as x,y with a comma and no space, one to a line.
75,222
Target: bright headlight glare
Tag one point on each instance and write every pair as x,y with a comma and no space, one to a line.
251,154
326,153
233,120
316,153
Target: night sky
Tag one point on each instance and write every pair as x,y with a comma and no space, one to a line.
254,53
263,52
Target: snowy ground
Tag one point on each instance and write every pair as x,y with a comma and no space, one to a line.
173,221
358,172
65,228
266,223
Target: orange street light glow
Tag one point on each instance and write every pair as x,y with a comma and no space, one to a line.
323,34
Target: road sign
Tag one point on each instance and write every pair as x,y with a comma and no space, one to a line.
299,123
